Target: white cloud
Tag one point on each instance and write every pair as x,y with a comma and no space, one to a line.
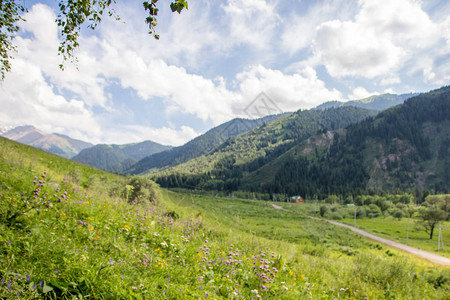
360,93
290,92
41,51
27,98
163,135
383,38
299,31
186,69
251,21
346,49
390,80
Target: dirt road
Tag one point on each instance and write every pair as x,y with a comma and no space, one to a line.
434,258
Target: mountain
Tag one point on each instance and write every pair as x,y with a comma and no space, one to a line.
200,145
117,158
5,129
378,102
406,147
59,144
225,167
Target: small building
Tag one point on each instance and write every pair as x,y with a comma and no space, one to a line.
296,199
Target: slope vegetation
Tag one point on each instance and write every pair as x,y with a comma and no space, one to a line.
117,158
406,147
69,231
224,168
198,146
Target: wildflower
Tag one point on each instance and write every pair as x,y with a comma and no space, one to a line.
57,271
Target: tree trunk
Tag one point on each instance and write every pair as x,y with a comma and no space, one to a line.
431,232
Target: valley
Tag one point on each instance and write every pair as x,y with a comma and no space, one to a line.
211,229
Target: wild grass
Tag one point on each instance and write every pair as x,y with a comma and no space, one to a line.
396,230
71,232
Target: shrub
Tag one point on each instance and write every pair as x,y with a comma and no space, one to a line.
323,210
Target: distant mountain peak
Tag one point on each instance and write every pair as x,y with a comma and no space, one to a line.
59,144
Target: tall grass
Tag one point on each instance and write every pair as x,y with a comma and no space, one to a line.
71,232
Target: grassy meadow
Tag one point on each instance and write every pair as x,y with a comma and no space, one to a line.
396,230
68,231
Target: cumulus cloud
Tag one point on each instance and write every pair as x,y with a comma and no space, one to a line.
163,135
299,30
360,93
251,22
302,89
41,50
189,68
383,36
27,98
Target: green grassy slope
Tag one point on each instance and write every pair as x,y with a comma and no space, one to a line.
68,231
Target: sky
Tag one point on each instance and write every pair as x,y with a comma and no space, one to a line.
215,61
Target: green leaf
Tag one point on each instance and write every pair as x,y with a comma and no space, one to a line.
47,288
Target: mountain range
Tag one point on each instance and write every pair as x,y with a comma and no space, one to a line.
226,166
149,157
344,150
200,145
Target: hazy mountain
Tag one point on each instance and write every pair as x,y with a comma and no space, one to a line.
200,145
117,158
54,143
378,102
5,129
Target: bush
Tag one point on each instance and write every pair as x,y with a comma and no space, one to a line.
397,213
323,210
140,190
373,211
336,215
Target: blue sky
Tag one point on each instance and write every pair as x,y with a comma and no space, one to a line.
214,59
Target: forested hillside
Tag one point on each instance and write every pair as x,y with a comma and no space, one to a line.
200,145
405,148
224,168
117,158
